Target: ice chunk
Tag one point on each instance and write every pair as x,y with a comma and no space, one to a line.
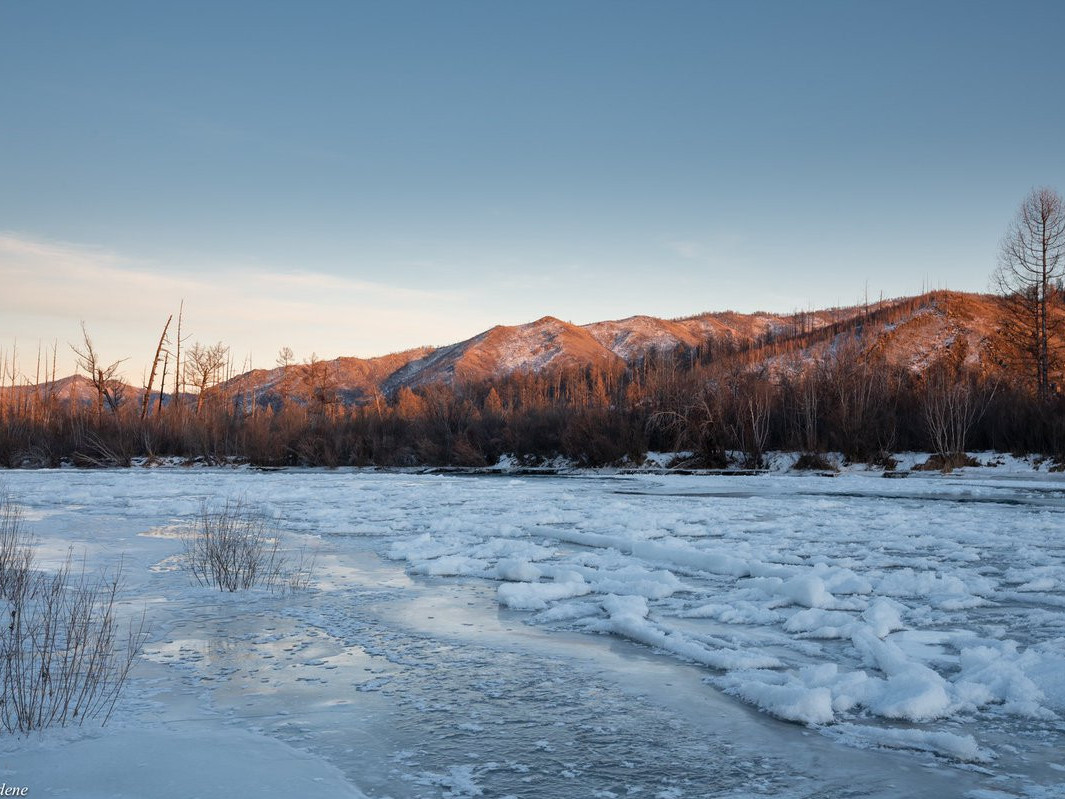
883,616
912,690
535,596
786,696
517,570
807,590
948,744
628,618
635,580
817,623
998,674
451,566
738,612
918,694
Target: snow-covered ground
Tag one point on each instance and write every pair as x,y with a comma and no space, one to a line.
656,636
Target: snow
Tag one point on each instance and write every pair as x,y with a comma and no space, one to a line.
455,623
199,764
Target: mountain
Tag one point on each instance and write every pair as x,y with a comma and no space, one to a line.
912,332
546,344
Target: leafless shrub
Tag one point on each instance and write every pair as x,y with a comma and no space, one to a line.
298,576
16,552
61,657
237,547
814,461
946,463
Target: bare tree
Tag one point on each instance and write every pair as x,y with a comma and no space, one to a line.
204,367
749,404
179,372
285,357
852,378
695,416
807,397
321,383
104,379
952,403
162,382
1031,262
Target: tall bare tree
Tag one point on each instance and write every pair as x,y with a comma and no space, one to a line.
1030,267
179,371
155,365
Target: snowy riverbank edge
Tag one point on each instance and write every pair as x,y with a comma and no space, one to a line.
986,463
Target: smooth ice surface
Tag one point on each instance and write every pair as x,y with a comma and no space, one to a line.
655,636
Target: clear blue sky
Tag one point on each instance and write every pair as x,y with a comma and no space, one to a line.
355,178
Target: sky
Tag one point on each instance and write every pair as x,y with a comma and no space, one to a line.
357,178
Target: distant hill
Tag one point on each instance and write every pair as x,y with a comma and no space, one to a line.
539,346
912,332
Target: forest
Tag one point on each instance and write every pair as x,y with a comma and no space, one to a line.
827,390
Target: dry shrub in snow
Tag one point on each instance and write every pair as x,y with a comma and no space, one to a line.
236,547
62,658
16,554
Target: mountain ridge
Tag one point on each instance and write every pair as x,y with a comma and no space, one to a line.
910,331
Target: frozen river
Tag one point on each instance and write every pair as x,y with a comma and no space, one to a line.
782,636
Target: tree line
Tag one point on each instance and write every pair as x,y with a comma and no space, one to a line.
809,390
727,402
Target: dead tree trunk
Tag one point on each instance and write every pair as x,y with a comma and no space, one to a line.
155,365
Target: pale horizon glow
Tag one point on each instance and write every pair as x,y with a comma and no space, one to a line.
125,303
354,179
55,286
